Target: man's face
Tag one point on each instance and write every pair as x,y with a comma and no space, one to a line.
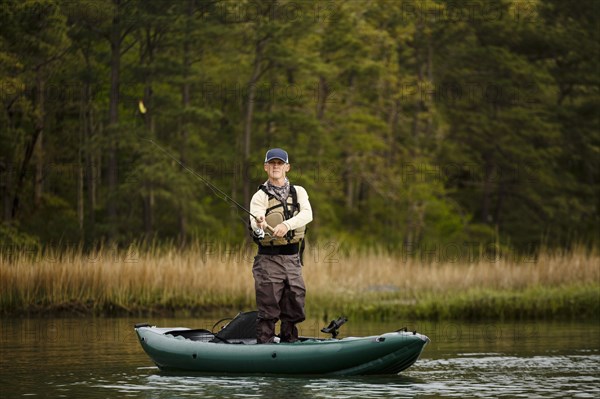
276,168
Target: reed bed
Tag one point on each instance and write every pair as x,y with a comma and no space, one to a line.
371,284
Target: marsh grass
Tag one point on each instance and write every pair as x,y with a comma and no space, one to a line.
364,284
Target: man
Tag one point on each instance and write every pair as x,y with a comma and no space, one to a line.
282,212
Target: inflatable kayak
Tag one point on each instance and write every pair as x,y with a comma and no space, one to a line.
234,350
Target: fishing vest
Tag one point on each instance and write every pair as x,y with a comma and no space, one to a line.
279,211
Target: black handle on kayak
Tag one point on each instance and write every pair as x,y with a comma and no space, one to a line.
334,326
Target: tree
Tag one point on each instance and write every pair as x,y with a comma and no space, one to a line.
30,60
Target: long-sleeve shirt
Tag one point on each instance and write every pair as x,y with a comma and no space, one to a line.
260,203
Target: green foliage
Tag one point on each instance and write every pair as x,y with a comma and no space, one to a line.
407,123
13,238
579,302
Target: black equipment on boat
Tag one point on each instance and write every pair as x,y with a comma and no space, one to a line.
241,327
334,326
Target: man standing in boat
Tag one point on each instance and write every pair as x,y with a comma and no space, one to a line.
282,212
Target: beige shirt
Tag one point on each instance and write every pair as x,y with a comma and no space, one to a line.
260,203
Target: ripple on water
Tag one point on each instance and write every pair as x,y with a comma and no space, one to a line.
510,376
467,375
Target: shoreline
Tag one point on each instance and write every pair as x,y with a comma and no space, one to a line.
573,303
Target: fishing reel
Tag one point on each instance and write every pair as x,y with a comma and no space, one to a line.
259,233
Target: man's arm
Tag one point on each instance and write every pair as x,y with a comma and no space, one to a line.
258,207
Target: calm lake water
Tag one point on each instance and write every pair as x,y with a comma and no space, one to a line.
101,358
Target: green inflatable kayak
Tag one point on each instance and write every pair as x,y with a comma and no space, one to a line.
234,350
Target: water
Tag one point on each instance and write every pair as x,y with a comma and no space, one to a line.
101,358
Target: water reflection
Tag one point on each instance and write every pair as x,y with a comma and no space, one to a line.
167,386
99,358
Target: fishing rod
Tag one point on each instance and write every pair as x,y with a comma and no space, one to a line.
259,233
214,188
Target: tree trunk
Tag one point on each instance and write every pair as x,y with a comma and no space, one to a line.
430,101
81,165
349,178
7,189
256,72
148,196
488,174
91,174
32,145
499,203
392,122
419,70
148,204
39,150
23,172
185,103
113,121
80,196
322,93
422,124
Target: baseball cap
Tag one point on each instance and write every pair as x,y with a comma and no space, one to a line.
276,153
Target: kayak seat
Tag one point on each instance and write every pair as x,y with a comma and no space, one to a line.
199,334
241,329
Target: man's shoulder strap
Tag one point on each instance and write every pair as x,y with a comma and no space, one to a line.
294,195
263,188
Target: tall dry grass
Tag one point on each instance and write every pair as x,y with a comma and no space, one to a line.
413,277
132,281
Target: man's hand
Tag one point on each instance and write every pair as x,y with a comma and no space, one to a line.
261,222
280,230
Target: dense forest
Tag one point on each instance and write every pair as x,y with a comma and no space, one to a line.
410,123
